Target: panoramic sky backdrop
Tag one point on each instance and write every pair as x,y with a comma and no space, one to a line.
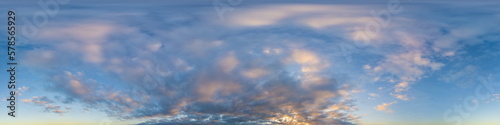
322,62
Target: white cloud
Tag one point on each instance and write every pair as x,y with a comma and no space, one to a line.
400,96
316,16
373,95
273,54
403,86
385,107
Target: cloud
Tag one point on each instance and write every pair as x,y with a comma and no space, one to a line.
317,16
373,96
403,86
22,89
408,66
47,103
88,91
217,92
385,107
494,98
39,100
250,78
229,62
415,51
463,77
85,39
268,64
400,96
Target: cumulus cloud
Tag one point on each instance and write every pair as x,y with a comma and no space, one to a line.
403,86
269,64
385,107
400,96
248,78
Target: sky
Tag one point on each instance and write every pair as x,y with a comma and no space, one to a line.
293,62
